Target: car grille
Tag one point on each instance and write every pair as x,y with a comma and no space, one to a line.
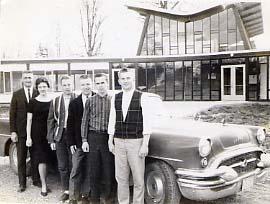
243,163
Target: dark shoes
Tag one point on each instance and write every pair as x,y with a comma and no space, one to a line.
44,193
64,197
37,184
73,202
21,189
84,200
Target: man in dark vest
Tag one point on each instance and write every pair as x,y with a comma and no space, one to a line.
78,182
129,129
57,134
17,118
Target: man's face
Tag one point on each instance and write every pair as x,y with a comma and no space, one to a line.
67,86
27,79
101,84
86,86
126,80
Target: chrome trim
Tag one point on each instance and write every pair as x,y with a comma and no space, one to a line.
165,158
241,149
199,173
213,184
243,163
6,135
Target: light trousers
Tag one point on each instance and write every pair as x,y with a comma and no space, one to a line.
126,159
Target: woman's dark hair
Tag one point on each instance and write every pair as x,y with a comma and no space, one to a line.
40,80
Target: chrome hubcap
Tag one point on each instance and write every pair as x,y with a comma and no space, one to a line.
154,186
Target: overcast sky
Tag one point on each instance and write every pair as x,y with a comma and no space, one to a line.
24,24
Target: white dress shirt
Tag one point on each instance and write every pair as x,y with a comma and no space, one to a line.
146,112
26,92
84,98
66,102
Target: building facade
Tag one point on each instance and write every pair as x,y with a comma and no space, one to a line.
205,37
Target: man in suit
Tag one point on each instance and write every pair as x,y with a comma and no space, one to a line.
17,118
129,129
57,134
78,183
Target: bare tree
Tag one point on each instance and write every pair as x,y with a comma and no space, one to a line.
91,22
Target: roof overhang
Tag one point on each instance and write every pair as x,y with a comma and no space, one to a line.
250,12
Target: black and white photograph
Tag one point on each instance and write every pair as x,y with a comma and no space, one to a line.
134,101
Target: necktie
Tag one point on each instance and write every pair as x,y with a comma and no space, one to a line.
29,94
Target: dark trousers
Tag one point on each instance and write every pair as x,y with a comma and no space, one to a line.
64,161
78,184
22,150
101,165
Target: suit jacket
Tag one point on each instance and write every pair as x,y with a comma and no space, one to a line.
75,113
18,112
56,119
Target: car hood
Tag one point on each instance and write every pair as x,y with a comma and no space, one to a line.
179,139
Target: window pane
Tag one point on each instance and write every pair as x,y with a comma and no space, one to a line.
16,80
181,37
160,79
215,80
173,37
142,77
227,81
190,38
239,80
169,81
205,72
196,80
7,82
179,80
206,35
188,80
158,35
214,33
1,83
151,77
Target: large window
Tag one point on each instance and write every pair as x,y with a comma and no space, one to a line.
214,33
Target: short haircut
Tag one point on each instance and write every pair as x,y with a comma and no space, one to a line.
85,76
42,80
27,72
65,77
101,75
123,70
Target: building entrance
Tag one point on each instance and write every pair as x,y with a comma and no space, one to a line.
233,82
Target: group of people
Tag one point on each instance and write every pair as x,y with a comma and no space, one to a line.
98,137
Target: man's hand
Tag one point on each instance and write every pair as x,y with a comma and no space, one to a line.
143,151
14,137
111,146
28,142
85,147
53,147
73,149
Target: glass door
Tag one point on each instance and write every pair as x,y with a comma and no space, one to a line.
233,86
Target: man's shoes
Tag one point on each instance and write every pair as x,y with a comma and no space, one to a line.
44,193
64,197
21,189
85,200
37,184
72,201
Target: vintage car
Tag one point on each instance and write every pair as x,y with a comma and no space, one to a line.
197,160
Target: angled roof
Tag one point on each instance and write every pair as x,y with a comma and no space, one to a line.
250,12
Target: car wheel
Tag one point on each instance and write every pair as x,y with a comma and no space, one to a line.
160,184
13,160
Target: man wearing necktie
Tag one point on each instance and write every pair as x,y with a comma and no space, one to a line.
129,129
78,182
17,118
